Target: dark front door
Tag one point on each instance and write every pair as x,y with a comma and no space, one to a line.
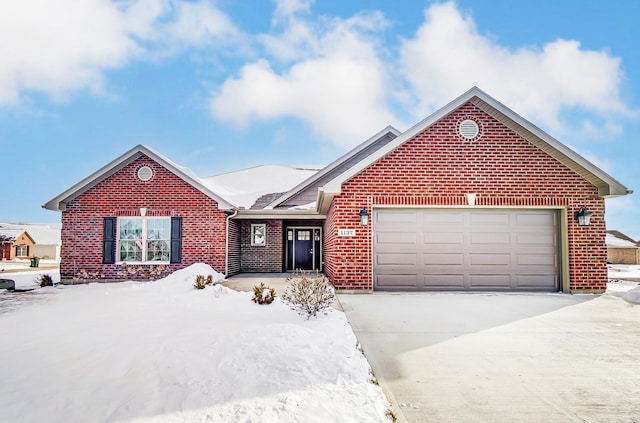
303,249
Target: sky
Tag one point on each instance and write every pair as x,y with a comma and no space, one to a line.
222,85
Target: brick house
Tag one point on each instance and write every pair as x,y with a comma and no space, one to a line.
474,197
16,244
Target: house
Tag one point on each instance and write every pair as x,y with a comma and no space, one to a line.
16,244
621,249
474,197
45,236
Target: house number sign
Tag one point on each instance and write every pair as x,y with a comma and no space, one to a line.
346,232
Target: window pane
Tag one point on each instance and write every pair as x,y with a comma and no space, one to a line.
130,250
130,228
158,251
158,229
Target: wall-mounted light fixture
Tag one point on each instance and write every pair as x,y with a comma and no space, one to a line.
364,217
582,216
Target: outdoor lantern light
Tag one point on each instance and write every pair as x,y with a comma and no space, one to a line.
364,217
583,216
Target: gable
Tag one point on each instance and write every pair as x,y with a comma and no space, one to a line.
605,185
60,202
439,162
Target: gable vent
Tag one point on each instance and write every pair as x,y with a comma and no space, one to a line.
145,173
469,129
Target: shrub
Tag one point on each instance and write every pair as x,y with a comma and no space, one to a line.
262,294
309,295
45,280
200,284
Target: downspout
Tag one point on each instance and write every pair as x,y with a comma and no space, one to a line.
226,243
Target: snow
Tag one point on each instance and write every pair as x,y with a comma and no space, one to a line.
242,188
164,351
613,241
42,233
623,282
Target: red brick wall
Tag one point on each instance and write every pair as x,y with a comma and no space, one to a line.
265,258
437,167
123,194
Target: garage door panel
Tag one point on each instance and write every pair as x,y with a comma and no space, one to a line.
397,281
443,281
490,259
396,238
437,259
391,217
490,238
534,281
443,238
442,218
535,219
465,249
490,218
492,281
535,239
545,260
395,259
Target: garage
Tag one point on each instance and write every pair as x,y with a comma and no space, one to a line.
465,249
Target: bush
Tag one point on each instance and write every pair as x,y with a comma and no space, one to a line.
201,283
45,280
262,294
308,294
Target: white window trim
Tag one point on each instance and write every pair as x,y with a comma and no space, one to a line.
144,240
253,237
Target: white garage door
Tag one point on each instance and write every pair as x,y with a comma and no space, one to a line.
462,249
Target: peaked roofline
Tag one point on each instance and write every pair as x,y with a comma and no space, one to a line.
59,202
607,185
354,151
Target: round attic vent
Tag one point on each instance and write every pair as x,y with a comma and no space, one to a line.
469,129
145,173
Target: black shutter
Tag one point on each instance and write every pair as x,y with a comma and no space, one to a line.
109,240
27,251
176,240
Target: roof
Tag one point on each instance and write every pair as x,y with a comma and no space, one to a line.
40,233
59,202
367,147
244,187
607,186
618,239
12,234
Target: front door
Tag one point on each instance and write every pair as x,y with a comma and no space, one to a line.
303,249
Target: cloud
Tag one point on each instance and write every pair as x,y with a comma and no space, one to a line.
447,56
327,73
58,48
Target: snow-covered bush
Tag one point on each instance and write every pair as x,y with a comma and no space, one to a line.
309,294
262,294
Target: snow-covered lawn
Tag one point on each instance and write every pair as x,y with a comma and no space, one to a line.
164,351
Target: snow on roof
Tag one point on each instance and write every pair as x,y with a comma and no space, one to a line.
614,241
42,233
243,187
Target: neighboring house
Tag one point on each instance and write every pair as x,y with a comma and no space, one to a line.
16,244
474,197
46,238
621,249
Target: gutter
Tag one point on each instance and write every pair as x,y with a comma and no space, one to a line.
226,243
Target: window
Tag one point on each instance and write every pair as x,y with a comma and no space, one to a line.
144,239
258,234
22,250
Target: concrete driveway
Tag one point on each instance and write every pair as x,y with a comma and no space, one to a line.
458,357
